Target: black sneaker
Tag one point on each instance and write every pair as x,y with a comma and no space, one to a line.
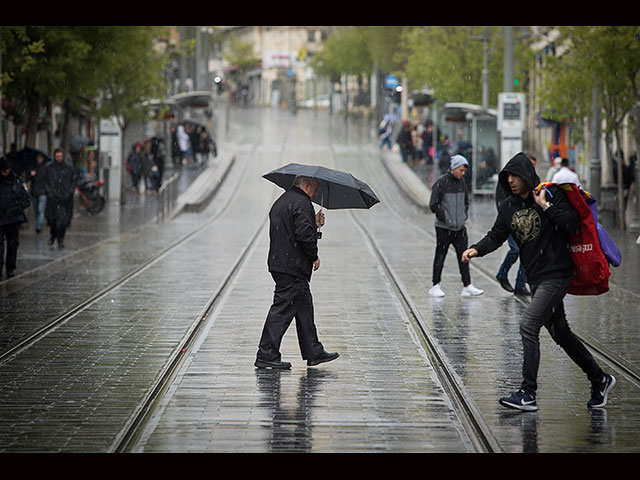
600,391
520,400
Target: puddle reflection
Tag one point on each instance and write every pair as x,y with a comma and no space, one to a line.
291,424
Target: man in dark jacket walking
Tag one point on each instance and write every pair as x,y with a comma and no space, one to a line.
450,202
541,229
59,185
293,255
14,198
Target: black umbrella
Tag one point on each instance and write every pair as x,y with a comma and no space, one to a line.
337,189
26,159
78,142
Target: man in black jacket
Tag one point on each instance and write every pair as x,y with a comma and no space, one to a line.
14,198
293,255
59,184
541,228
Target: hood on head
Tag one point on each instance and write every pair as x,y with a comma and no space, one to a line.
521,166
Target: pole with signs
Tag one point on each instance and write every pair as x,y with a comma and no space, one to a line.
511,118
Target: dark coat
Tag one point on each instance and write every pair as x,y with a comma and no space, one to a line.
59,185
135,162
14,198
542,236
37,180
293,235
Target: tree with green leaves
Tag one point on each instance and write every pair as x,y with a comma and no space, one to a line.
606,57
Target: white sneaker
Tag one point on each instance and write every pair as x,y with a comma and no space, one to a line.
471,291
436,291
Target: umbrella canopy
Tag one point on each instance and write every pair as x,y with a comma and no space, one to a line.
77,142
25,159
337,189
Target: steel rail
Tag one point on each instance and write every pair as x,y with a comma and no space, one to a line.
62,318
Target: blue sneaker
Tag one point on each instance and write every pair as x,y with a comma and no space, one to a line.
520,400
600,391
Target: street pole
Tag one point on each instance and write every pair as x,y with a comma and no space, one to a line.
596,165
485,69
1,125
634,226
183,60
507,78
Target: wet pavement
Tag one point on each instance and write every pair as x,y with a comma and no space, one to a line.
79,387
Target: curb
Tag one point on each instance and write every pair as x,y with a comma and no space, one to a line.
196,197
410,184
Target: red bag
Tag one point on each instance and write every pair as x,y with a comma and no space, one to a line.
591,268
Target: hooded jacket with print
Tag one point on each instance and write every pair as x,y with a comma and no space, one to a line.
542,236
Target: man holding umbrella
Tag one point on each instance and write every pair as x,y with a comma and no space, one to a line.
293,255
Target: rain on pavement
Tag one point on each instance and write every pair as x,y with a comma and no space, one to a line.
78,387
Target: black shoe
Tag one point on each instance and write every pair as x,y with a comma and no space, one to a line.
600,391
51,240
60,243
11,273
504,283
323,357
520,400
522,291
267,364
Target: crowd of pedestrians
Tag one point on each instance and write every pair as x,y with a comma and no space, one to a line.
145,164
191,144
414,140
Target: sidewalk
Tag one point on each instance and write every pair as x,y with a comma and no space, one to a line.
416,182
195,185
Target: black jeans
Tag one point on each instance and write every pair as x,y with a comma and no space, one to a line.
10,232
459,240
547,309
291,298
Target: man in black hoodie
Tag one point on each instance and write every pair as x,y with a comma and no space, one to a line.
541,228
293,254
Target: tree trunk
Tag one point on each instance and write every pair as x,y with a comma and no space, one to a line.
66,126
620,157
33,114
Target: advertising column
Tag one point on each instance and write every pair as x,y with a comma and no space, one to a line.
511,115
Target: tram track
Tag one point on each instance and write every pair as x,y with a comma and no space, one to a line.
477,430
480,434
601,351
62,318
134,427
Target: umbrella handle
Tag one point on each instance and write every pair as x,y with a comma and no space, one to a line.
320,228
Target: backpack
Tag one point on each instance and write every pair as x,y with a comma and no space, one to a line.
592,249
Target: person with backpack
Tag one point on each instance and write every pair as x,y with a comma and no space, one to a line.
541,221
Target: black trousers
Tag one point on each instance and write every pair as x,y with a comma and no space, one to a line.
547,310
291,298
11,233
459,240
